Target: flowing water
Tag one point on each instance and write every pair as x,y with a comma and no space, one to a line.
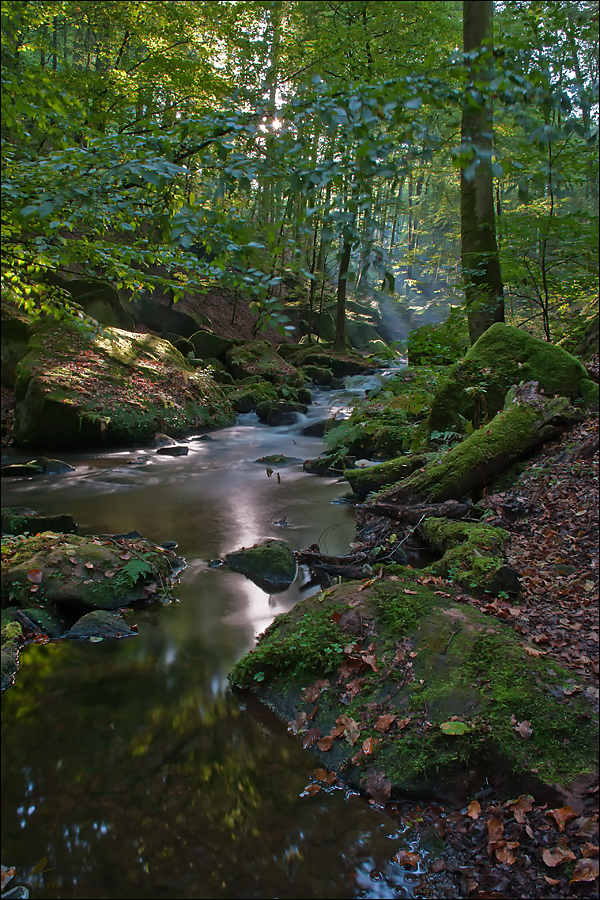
129,768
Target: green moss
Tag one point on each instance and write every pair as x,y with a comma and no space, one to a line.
259,358
271,562
475,388
245,398
373,478
295,648
508,436
590,392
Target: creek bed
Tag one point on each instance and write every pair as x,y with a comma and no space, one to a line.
130,766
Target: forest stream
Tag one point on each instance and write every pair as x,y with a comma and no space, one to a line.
130,767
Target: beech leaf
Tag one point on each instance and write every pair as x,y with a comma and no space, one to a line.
585,870
407,858
35,576
474,810
562,816
454,727
558,855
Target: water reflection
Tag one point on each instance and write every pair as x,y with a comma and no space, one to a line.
130,766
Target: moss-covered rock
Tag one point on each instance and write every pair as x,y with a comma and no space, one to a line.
590,391
208,345
385,678
323,356
93,572
17,329
475,388
244,398
271,564
373,478
78,389
317,374
98,300
21,520
100,625
260,358
473,555
361,334
280,412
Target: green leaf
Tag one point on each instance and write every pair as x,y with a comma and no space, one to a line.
454,728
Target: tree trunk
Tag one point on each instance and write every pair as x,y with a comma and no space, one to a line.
340,323
529,419
479,249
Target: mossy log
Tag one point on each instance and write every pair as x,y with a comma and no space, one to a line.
451,509
373,478
527,420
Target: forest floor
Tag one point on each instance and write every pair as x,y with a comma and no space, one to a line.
516,847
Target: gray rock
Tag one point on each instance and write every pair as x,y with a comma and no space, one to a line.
100,625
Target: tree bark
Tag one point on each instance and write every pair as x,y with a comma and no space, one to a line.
340,323
479,248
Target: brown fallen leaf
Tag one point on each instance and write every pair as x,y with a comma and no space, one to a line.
506,855
522,806
588,850
495,830
552,881
378,788
109,574
326,743
407,858
312,789
369,745
406,591
562,816
310,737
35,576
385,722
370,660
558,855
351,732
585,870
438,865
587,826
474,810
524,729
533,652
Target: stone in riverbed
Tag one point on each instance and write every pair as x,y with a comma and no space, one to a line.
21,520
271,564
100,625
173,451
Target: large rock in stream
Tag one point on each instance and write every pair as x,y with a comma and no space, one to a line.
64,585
76,388
408,693
271,564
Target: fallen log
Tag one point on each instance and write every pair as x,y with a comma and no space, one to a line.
527,420
451,509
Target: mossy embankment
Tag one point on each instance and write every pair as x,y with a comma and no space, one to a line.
390,676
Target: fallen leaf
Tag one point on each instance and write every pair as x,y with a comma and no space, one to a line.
369,745
311,737
552,881
474,810
588,850
522,806
89,565
438,865
506,855
378,787
312,789
73,560
533,652
365,584
406,591
562,816
109,574
407,858
370,660
326,743
351,732
454,727
35,576
7,875
558,855
125,556
524,729
585,870
385,722
587,826
495,830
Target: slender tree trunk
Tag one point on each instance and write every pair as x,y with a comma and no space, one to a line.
340,323
479,250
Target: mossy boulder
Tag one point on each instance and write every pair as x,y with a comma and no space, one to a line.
270,564
323,356
21,520
161,317
260,358
317,374
17,329
361,334
475,387
208,345
98,300
100,625
74,389
246,397
280,412
322,324
373,478
93,572
386,682
473,555
590,391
